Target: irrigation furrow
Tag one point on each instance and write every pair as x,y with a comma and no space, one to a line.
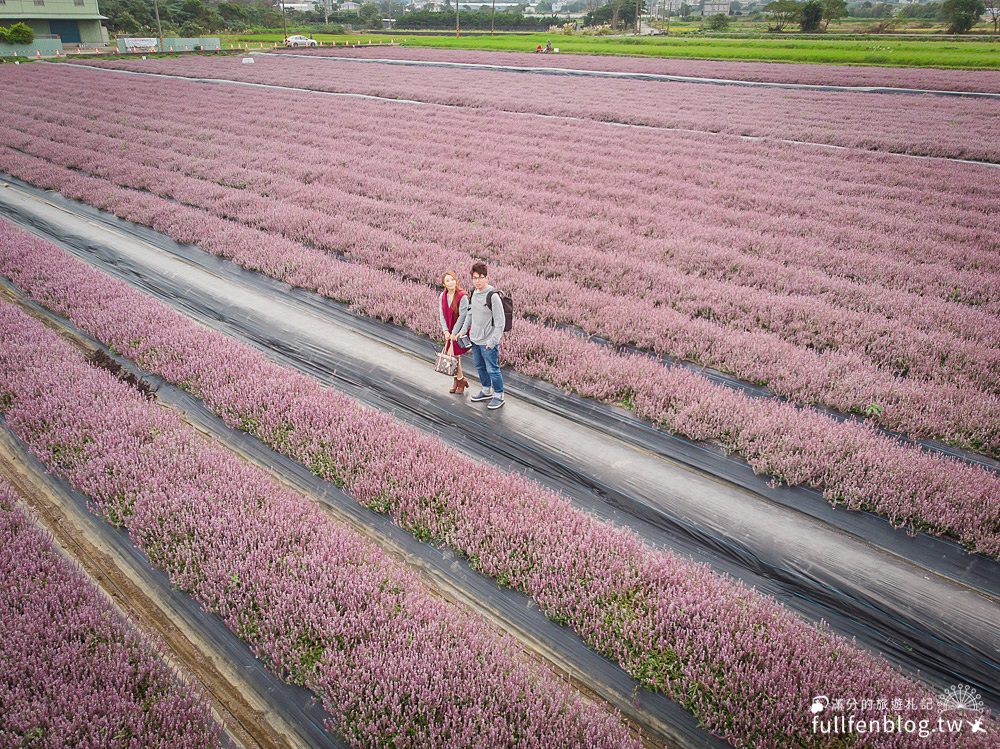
923,602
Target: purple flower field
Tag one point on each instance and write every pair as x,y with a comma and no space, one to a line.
849,462
803,282
775,72
864,304
926,125
265,560
324,607
74,673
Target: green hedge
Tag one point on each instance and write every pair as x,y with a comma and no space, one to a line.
18,33
473,19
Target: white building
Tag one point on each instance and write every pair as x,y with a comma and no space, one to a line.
714,7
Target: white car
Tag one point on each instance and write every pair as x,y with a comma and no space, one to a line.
300,41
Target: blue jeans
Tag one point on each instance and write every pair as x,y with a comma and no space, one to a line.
488,367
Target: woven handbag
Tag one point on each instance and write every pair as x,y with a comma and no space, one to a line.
446,364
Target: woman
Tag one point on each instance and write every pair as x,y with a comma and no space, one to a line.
452,311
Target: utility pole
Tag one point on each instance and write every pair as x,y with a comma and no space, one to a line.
458,26
493,18
159,28
284,26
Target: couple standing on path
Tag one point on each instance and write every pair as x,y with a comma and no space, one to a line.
478,322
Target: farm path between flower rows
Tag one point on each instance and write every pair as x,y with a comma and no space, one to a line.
921,601
257,709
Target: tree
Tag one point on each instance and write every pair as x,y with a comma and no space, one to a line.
871,10
833,10
234,15
617,13
129,16
782,13
191,29
17,33
320,12
811,16
993,11
962,15
920,10
370,15
718,22
545,6
684,11
735,8
194,17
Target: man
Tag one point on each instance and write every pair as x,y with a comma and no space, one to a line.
484,326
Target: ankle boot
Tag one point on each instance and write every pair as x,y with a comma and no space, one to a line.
454,386
461,385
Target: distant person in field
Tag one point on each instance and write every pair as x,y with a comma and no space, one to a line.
548,46
538,49
453,309
485,325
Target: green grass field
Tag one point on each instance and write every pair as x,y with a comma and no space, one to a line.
971,53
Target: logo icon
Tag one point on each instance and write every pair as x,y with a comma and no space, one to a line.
819,704
961,697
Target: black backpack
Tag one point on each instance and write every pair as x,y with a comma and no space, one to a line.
508,308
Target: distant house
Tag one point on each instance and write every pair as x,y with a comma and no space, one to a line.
349,5
714,7
507,6
76,22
